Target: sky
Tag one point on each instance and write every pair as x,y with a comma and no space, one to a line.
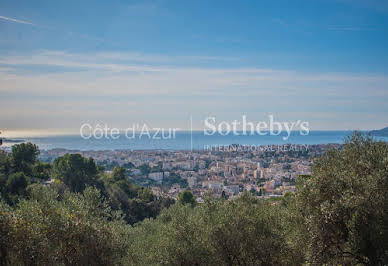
65,63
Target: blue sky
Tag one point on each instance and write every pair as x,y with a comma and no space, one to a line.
63,63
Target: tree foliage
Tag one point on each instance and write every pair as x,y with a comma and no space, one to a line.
18,169
74,229
241,232
119,173
76,171
187,197
24,156
344,204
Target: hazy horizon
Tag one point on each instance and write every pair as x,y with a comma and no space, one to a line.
46,133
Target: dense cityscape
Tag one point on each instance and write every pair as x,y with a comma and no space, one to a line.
267,171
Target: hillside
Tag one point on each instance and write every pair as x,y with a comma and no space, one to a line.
381,132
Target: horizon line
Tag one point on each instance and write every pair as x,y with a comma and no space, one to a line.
52,133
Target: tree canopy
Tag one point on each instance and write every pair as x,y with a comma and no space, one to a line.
76,171
187,197
344,204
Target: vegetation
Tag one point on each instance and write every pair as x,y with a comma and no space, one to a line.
71,229
186,197
250,234
338,216
344,205
76,172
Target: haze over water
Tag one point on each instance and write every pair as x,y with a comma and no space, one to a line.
183,141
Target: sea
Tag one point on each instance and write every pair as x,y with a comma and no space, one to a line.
182,140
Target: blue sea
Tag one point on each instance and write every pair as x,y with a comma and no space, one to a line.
184,141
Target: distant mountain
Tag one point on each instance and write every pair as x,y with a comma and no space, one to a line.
381,133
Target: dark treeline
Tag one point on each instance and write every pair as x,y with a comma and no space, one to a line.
21,171
338,216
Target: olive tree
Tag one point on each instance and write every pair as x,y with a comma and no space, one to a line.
344,204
